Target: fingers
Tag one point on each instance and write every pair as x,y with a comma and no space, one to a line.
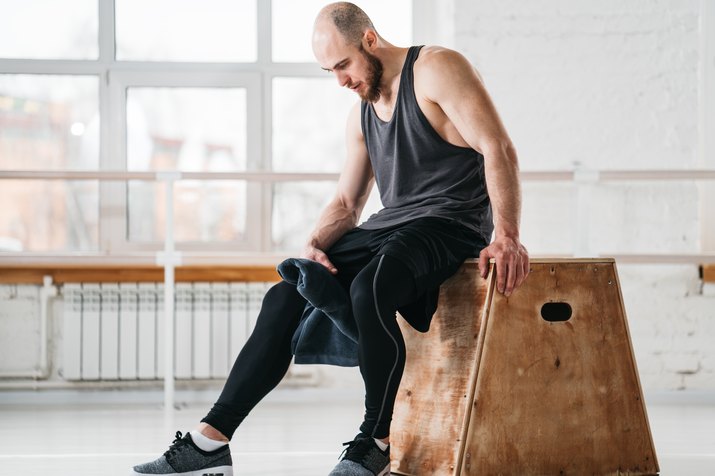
525,266
501,274
512,275
319,256
512,267
322,258
484,262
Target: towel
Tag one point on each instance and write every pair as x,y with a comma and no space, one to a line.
327,332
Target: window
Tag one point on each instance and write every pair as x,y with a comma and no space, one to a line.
293,25
218,85
188,129
49,122
48,29
186,30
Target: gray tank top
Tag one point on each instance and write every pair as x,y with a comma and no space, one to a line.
419,174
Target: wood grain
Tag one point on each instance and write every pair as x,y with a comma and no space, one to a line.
559,398
435,389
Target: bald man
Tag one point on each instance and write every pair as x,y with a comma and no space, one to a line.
428,134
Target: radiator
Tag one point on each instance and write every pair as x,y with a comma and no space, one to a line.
116,331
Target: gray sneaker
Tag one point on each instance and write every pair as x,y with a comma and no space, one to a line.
363,458
184,458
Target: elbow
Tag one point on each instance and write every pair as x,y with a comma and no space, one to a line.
501,149
351,207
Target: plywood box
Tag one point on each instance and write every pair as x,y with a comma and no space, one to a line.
543,382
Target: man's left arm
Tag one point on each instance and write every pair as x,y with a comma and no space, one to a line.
450,81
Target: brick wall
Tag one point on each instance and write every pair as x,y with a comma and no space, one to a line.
612,85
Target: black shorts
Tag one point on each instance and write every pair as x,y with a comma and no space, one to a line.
432,248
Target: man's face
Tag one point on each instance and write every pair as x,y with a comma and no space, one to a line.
353,66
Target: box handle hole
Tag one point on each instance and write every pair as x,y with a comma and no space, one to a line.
556,311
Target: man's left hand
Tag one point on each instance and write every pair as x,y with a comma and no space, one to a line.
511,261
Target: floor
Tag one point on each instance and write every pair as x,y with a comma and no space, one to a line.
293,432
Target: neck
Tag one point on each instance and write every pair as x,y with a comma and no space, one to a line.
393,59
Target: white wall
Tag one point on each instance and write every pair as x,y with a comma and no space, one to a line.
612,85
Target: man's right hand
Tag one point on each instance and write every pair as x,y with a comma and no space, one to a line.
313,253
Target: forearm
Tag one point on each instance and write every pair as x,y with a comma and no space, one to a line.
333,223
502,174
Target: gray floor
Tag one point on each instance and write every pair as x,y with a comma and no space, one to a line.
293,432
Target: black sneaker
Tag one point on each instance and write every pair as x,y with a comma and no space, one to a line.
184,458
363,458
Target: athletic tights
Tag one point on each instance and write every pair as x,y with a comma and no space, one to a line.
376,292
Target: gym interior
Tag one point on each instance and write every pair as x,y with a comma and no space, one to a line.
159,159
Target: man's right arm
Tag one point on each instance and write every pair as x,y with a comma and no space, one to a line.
343,211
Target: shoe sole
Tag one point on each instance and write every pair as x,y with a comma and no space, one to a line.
217,471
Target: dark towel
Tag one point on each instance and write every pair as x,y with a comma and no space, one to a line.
327,333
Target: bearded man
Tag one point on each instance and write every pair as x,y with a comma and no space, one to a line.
427,133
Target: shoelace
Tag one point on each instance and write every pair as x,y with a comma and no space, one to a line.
356,449
176,445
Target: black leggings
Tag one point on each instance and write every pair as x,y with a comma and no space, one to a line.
376,292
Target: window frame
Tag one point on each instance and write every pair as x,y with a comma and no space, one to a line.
115,76
113,195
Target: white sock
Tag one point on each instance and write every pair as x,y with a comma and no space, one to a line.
206,443
380,444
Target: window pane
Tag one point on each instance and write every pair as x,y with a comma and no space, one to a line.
49,215
49,122
309,118
293,25
187,129
296,207
186,30
49,29
203,210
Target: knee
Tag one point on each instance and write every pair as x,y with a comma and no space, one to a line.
362,298
281,292
370,303
281,304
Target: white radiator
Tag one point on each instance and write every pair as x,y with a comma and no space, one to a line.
116,331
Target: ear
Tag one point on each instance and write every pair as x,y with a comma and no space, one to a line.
369,40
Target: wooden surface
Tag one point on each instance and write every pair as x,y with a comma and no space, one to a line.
708,273
134,274
435,388
558,398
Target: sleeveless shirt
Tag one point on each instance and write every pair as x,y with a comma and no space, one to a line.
417,172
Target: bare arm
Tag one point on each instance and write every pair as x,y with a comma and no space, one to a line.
452,83
354,185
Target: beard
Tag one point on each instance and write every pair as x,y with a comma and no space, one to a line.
373,77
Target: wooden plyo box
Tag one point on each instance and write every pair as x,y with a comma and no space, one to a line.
522,386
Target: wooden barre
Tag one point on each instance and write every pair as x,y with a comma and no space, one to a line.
134,274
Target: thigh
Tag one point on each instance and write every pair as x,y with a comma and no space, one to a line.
433,248
350,254
386,282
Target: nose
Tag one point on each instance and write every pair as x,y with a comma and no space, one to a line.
343,79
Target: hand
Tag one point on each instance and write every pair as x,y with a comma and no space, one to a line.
313,253
512,263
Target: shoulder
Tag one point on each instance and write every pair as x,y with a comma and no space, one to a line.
437,68
436,60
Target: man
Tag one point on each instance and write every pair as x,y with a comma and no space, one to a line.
428,134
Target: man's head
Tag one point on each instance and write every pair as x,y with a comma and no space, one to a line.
343,41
